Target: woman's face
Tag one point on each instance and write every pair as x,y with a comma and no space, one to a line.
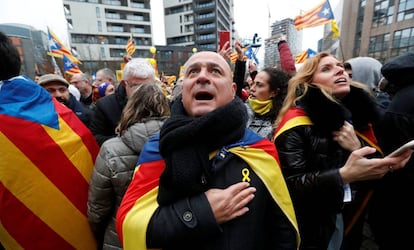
332,76
260,88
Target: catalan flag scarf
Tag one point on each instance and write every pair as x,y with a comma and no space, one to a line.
140,200
46,159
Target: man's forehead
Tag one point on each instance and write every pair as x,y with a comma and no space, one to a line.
207,59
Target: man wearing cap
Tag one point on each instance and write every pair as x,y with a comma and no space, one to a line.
58,88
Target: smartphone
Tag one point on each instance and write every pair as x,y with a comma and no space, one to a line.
224,36
403,148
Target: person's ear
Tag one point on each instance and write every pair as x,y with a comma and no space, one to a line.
274,93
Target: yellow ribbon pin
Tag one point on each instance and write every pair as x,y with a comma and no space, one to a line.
245,173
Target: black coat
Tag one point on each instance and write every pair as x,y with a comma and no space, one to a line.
84,114
392,206
107,115
310,160
265,225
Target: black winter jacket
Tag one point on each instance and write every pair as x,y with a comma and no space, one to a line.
107,114
265,223
310,160
395,188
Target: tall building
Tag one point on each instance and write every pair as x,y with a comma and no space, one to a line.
196,23
100,29
379,28
286,28
32,45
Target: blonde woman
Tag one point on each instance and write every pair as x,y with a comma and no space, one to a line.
142,117
324,139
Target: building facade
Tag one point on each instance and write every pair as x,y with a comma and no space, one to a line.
100,29
381,29
32,45
286,28
196,23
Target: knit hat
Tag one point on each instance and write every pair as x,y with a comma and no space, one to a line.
399,70
45,79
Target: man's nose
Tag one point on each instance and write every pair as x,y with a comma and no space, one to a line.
203,76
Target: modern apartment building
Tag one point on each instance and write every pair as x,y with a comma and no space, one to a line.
284,27
100,29
378,28
196,23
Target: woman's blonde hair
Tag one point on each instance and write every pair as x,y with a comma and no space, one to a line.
147,100
299,84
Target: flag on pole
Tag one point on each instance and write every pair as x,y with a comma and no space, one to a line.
47,158
69,66
58,49
300,58
130,46
56,67
321,14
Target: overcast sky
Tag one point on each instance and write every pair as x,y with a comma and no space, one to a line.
250,17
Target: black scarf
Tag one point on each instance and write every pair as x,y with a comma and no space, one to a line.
185,144
357,107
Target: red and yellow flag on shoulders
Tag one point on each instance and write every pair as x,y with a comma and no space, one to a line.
140,199
297,117
47,157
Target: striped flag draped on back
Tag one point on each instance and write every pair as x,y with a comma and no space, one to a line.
47,157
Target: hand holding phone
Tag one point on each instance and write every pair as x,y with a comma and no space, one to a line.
401,150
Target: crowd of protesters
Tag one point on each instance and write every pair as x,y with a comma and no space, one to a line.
274,158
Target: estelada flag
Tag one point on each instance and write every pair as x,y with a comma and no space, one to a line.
320,14
301,58
140,199
46,159
130,46
58,49
70,67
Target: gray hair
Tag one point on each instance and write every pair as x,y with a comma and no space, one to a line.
139,68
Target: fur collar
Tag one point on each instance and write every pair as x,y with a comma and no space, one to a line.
358,107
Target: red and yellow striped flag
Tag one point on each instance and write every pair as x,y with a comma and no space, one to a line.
130,46
47,157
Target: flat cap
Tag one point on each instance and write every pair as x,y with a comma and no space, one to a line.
45,79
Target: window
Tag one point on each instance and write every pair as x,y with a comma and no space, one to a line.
98,12
383,12
405,10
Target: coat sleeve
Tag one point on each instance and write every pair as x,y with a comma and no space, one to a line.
100,196
98,125
286,59
238,76
311,188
